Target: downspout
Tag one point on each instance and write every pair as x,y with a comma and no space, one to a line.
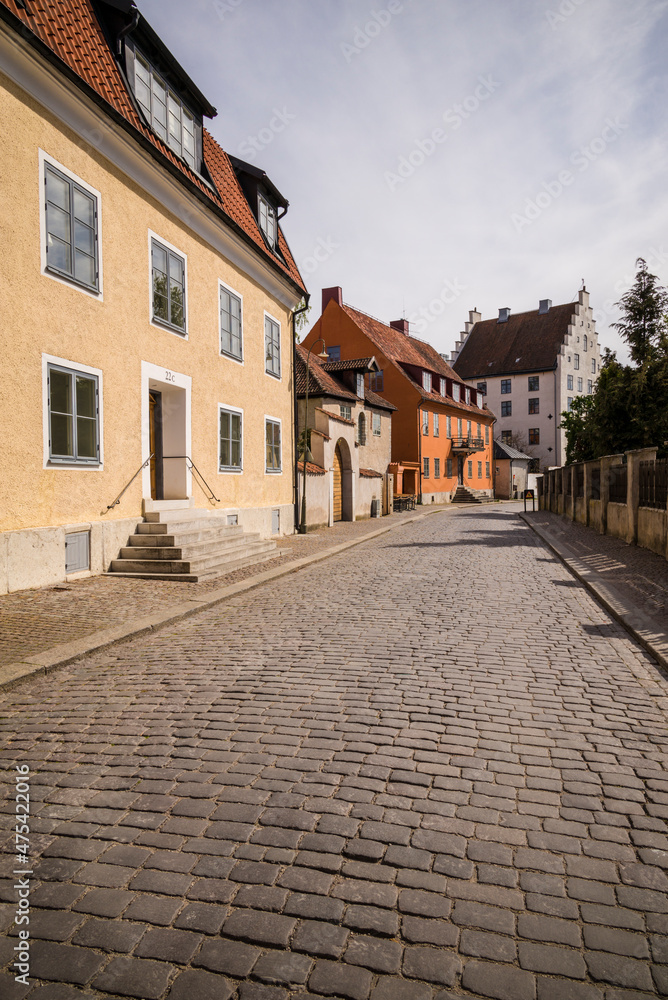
419,416
295,422
126,31
556,418
493,462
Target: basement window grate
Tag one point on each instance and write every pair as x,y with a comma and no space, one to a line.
77,551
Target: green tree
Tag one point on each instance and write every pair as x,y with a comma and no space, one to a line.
643,322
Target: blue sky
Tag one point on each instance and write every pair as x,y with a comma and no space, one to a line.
441,155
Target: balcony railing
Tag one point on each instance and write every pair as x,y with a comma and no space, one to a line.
468,444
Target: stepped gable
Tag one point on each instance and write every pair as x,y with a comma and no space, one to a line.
402,349
69,34
529,341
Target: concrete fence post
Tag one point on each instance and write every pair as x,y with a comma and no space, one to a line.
587,491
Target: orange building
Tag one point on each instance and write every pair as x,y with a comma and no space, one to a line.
441,430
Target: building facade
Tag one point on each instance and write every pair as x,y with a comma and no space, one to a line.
441,430
147,301
531,366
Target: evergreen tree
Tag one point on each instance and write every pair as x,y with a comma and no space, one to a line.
643,323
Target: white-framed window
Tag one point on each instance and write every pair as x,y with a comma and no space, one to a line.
272,436
425,468
165,112
267,215
346,411
72,414
436,423
426,381
470,470
590,387
443,387
425,422
459,427
448,427
569,381
593,366
70,224
569,403
455,391
168,285
375,422
486,470
479,470
479,400
231,323
230,439
468,394
486,433
579,385
468,428
585,343
272,346
576,361
448,468
359,384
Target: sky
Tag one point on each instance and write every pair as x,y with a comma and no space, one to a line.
446,155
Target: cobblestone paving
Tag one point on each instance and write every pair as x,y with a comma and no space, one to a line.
429,768
32,621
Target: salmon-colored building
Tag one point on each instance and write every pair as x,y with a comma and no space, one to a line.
441,430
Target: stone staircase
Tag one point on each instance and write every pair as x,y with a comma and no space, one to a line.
189,545
465,495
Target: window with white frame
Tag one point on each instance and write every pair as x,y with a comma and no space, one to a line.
73,404
443,387
375,420
468,428
166,113
267,214
593,366
467,392
459,427
272,347
479,470
230,449
479,400
71,212
455,391
590,387
576,361
231,332
272,430
425,422
579,385
470,470
168,286
449,468
486,433
436,425
486,470
345,411
585,343
569,381
359,384
426,381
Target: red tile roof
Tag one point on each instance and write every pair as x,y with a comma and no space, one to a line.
335,416
321,382
70,32
529,341
404,351
370,474
311,468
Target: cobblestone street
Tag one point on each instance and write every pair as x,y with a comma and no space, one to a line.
429,767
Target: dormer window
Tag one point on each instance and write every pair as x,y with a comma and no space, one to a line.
267,215
165,112
359,384
442,387
426,381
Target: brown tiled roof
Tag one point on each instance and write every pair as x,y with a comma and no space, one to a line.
335,416
370,474
320,382
346,365
373,399
402,351
72,34
529,341
311,468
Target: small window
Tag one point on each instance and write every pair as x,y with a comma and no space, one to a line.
71,229
534,406
569,381
272,347
376,381
467,392
486,470
267,220
359,384
230,450
534,435
459,427
425,463
579,385
593,366
448,427
425,422
534,383
426,381
77,551
74,410
449,468
168,277
273,445
361,429
576,361
443,386
470,470
165,112
479,470
334,353
585,343
437,468
346,411
230,324
375,420
590,386
436,425
506,408
478,432
468,428
569,403
479,400
456,388
486,433
506,386
482,387
506,437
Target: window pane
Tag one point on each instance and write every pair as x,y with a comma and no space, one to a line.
160,306
61,436
84,238
84,208
224,452
159,258
85,395
176,304
60,385
59,254
86,437
236,454
57,190
58,223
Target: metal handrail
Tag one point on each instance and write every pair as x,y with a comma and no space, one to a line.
468,441
193,468
118,498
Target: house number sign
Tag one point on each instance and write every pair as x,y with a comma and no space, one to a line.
170,377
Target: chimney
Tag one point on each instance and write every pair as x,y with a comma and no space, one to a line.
544,306
335,293
504,315
401,325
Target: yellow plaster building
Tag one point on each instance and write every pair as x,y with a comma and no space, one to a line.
147,298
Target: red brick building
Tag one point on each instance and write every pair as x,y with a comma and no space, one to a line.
441,430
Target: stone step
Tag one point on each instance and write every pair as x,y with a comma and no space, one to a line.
150,566
203,563
190,528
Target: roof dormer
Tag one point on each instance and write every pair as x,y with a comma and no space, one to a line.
266,201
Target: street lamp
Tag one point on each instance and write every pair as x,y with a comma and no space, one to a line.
307,453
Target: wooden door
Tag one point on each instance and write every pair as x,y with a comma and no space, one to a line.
338,477
155,444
